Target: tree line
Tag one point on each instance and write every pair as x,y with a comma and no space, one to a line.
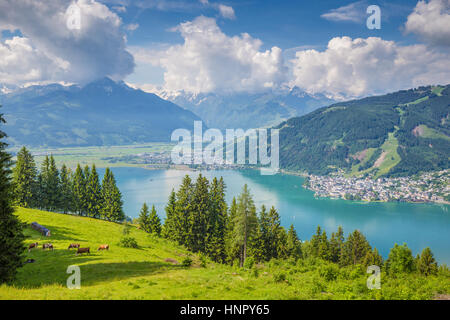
198,217
78,192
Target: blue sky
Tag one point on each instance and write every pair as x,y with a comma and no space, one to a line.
202,46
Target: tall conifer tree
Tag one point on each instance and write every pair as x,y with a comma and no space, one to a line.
25,180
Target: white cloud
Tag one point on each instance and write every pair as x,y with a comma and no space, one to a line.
431,21
354,68
49,51
226,11
132,26
354,12
211,61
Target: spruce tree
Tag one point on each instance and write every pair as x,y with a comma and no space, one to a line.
245,222
199,215
215,241
426,263
78,190
336,244
11,236
25,180
264,228
169,228
355,249
94,194
53,185
275,233
293,243
66,190
373,258
154,222
112,208
44,184
183,210
231,247
143,219
400,260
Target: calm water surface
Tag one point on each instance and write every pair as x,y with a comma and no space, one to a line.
419,225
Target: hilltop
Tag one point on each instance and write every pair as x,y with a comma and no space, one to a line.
100,113
142,273
398,134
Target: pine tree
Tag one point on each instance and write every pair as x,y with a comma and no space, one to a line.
169,228
245,222
231,248
112,208
44,184
78,190
199,216
53,185
426,263
11,236
183,208
264,228
336,244
324,247
373,258
25,180
293,244
355,249
215,241
144,218
277,239
316,239
94,194
154,222
400,260
66,190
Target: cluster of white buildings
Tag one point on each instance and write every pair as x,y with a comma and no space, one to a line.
427,187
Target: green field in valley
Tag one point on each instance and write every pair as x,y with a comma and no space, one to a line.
143,273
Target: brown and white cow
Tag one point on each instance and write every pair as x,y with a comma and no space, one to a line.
47,246
74,245
32,245
103,247
83,250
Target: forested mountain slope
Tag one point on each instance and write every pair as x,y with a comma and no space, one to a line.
397,134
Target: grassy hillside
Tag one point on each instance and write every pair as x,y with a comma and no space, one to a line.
397,134
125,273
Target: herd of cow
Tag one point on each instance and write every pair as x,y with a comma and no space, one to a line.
71,246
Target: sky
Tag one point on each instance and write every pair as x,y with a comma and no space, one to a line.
204,46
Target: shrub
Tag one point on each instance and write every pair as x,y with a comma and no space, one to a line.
128,242
279,277
187,262
203,261
329,272
249,262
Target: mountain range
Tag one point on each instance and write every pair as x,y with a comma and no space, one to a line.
247,110
103,112
397,134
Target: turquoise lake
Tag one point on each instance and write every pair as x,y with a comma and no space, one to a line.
419,225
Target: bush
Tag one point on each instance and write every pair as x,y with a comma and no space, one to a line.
203,261
279,277
249,262
187,262
128,242
329,272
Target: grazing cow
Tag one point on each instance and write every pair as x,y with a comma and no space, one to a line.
103,247
74,245
47,246
33,245
83,250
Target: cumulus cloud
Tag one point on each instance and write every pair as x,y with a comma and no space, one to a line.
226,11
48,50
431,21
359,67
209,60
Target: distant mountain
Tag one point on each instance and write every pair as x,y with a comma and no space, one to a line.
243,110
397,134
100,113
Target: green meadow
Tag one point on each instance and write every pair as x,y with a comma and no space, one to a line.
143,273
